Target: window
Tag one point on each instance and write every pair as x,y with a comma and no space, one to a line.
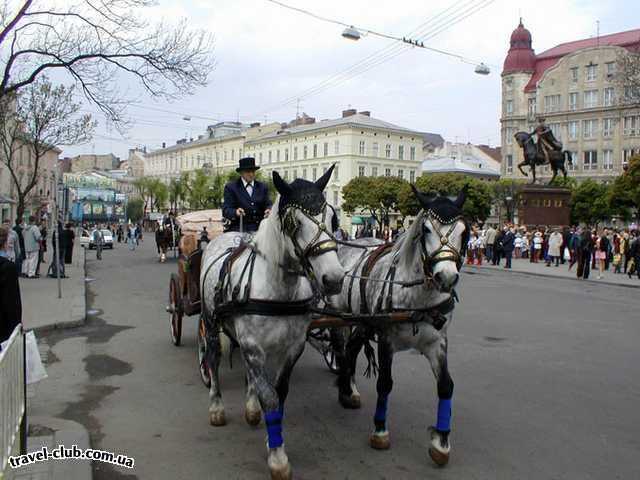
278,156
412,176
574,161
387,172
335,198
325,149
573,101
532,107
412,153
509,163
305,152
286,175
607,127
589,128
611,69
551,103
259,157
509,132
361,171
374,149
286,155
361,147
607,160
304,173
509,107
627,154
295,174
609,97
387,150
574,74
336,147
590,98
401,173
591,73
374,171
269,155
336,173
590,160
314,173
572,129
315,150
631,126
295,153
401,152
631,93
556,130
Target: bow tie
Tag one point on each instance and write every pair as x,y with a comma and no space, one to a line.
248,185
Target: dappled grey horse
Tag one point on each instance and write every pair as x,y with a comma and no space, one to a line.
416,275
260,294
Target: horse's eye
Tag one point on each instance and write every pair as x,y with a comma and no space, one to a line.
426,229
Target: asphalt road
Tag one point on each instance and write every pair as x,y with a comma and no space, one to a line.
546,374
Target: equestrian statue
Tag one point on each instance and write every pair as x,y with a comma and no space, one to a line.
546,151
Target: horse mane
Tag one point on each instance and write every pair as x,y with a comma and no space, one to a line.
269,239
405,247
188,244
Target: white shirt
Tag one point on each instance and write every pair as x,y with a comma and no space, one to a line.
248,187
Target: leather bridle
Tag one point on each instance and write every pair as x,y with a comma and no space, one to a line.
446,252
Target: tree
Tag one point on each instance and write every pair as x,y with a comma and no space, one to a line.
39,118
177,191
506,194
627,77
377,195
477,206
198,190
590,203
625,191
95,44
134,210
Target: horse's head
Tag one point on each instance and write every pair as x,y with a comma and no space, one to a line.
307,221
522,138
443,237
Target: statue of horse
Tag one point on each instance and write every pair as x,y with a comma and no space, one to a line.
417,275
261,293
534,156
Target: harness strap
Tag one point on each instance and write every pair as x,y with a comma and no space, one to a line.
374,256
353,277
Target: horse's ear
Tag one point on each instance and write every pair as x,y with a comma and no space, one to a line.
282,186
424,199
462,196
321,183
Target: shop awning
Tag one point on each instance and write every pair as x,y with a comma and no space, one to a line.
357,221
4,199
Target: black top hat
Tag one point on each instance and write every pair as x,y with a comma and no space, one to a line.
247,163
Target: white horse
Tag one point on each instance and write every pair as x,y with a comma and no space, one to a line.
260,294
415,275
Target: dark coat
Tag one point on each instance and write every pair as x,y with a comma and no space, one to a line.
236,196
508,242
10,303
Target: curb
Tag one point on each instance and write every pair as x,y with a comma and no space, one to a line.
557,277
67,433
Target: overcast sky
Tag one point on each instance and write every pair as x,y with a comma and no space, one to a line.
267,55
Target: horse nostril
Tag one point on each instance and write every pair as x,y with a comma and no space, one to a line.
446,281
332,286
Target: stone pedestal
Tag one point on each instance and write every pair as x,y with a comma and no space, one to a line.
543,205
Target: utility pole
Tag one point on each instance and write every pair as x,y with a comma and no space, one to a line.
56,231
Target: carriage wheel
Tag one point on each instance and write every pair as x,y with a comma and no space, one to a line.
202,353
175,309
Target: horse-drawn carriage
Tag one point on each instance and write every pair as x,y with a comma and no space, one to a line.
266,293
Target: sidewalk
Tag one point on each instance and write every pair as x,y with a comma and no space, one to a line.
540,269
51,432
42,309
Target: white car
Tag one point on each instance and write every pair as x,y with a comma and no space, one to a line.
85,239
107,239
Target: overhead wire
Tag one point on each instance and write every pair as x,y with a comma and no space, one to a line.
437,24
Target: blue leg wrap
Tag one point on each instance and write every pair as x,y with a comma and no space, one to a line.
274,428
380,418
444,415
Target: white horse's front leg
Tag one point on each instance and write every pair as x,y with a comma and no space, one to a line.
252,410
217,416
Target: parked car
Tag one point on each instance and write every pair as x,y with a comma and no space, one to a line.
85,239
107,238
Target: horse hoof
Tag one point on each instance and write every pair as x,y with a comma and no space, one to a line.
350,401
379,440
253,417
438,457
217,418
281,472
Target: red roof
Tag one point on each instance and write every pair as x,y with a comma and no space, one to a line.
521,57
549,58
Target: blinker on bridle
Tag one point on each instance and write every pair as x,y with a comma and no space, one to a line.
446,251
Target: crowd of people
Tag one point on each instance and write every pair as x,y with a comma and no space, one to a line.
598,249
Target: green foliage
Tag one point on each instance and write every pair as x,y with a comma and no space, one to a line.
625,191
568,182
134,209
506,194
377,195
590,203
477,207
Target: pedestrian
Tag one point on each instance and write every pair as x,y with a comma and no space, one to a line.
131,237
13,242
508,245
43,247
58,248
490,240
555,248
518,245
120,233
10,303
497,247
537,246
471,248
585,250
68,239
634,255
31,236
23,254
98,241
605,246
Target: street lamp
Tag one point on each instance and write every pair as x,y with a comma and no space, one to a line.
351,33
509,201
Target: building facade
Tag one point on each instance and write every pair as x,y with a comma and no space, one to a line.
480,161
573,87
358,144
85,162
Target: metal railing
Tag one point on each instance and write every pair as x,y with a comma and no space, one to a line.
13,405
